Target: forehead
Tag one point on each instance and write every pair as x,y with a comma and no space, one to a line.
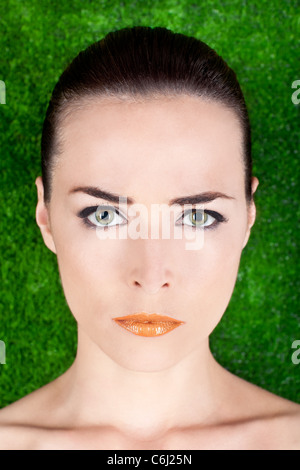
183,140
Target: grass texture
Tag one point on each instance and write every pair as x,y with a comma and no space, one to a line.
259,40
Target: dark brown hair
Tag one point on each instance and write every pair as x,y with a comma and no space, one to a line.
143,62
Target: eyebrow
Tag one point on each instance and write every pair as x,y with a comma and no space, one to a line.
206,196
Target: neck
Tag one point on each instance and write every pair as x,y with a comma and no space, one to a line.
143,404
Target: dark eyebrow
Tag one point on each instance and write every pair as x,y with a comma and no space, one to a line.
194,199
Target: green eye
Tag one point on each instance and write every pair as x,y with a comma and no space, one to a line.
198,217
104,217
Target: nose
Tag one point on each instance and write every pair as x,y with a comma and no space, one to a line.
150,289
150,269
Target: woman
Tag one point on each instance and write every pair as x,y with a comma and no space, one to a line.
146,117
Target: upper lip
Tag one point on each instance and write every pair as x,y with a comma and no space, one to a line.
147,318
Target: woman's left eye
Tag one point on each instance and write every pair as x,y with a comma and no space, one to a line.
198,218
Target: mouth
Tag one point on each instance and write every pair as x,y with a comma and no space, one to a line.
142,324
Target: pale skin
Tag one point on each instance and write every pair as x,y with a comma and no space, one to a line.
124,391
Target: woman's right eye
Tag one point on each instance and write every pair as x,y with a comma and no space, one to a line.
101,216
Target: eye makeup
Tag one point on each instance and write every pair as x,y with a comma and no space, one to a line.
85,213
205,213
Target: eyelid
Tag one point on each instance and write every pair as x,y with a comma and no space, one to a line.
91,209
219,217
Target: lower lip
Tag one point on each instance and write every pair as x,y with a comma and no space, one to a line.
144,328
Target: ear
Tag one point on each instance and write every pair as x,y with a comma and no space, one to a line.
42,216
251,210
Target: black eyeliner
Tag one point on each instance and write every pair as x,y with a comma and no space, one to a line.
84,213
90,210
219,217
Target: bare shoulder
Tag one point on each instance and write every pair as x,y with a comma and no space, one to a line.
23,422
278,430
17,437
290,426
267,420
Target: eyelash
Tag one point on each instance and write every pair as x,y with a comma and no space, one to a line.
91,210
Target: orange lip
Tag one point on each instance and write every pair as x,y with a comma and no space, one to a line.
143,324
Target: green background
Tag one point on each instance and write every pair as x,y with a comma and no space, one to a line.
259,41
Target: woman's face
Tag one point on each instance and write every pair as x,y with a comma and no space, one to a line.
152,152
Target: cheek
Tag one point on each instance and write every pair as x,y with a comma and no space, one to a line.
210,279
86,267
218,259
